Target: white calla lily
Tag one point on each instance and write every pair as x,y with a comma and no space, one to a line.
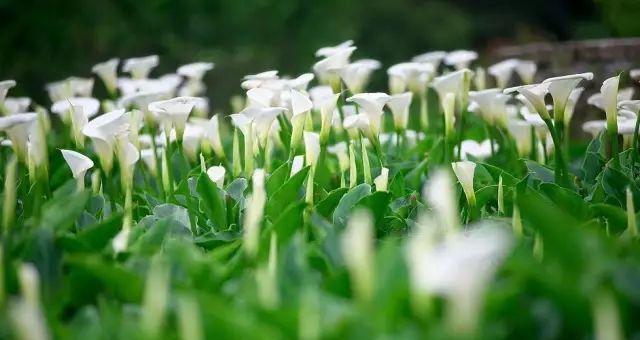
434,58
464,171
301,105
216,175
492,104
526,70
571,104
18,127
103,131
327,69
13,105
330,50
457,83
174,113
460,59
521,133
79,164
300,83
411,76
372,104
296,165
476,150
63,108
340,150
311,147
254,213
382,180
399,105
594,127
439,193
609,91
356,75
358,251
108,72
534,95
560,89
503,71
5,85
139,68
195,71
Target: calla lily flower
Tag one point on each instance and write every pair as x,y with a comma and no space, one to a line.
261,97
301,105
327,68
311,147
254,213
492,104
192,139
594,127
108,73
560,89
609,92
502,71
460,59
521,133
263,119
216,175
195,71
331,50
359,122
526,71
103,131
356,74
139,68
173,113
571,104
476,150
464,171
324,100
13,105
456,83
358,251
18,127
296,164
372,104
212,134
63,108
399,106
256,80
433,58
448,107
78,163
5,85
70,87
382,180
597,99
534,95
301,83
413,76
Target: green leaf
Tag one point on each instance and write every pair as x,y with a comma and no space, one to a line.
289,222
212,201
60,213
615,183
615,216
540,172
347,202
288,193
378,204
326,206
567,200
277,178
121,282
98,236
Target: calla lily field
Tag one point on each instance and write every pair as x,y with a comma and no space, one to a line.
460,202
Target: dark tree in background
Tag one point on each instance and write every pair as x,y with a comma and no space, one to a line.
47,40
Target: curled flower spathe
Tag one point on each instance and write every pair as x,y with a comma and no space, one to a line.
216,175
108,72
173,113
465,171
139,68
399,106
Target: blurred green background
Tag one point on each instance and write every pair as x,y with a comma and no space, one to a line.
47,40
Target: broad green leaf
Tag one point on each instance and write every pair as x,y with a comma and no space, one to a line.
347,202
60,214
277,178
212,201
327,205
288,193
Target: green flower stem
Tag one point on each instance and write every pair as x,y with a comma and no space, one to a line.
561,175
634,151
424,111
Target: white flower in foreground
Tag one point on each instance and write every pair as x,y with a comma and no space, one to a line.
356,74
358,253
458,268
609,92
254,214
216,174
476,150
433,58
382,180
413,76
18,127
108,73
195,71
77,162
521,133
13,105
296,165
311,147
460,59
526,70
327,68
561,88
534,95
492,104
502,71
399,106
464,171
173,113
330,50
372,104
139,68
439,193
340,150
63,108
212,134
